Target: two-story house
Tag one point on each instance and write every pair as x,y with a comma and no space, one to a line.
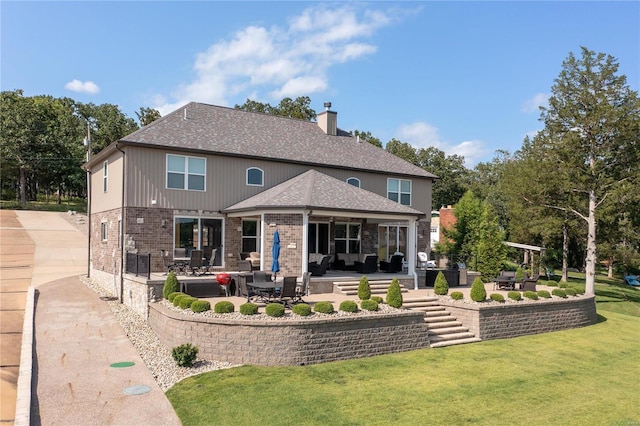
207,176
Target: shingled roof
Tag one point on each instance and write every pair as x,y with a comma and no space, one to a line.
229,131
313,190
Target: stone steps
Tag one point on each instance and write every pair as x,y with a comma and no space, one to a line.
350,288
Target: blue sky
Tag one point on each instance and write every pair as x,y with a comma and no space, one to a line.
465,77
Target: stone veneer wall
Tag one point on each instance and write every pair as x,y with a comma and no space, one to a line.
507,320
105,255
291,342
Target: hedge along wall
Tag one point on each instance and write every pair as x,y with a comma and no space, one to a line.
501,321
291,342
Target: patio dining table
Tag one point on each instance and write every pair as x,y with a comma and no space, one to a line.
508,283
264,289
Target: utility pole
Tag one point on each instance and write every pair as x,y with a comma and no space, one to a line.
87,143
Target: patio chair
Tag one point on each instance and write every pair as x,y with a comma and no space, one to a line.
423,258
287,294
303,288
243,288
369,266
393,265
195,262
321,268
244,266
168,262
206,269
180,252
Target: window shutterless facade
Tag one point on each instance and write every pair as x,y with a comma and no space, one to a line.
255,176
105,173
200,233
184,172
104,227
399,190
354,181
347,237
250,235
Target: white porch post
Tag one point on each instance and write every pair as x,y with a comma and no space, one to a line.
305,241
263,226
411,258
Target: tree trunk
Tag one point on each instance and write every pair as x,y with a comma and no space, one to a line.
610,269
565,251
23,187
590,270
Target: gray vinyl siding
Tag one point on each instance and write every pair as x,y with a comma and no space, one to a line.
225,181
102,201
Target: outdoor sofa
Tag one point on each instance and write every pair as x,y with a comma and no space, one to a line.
347,261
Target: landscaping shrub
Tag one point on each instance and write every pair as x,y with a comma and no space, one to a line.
531,295
514,295
223,307
274,310
520,274
369,305
441,286
478,292
248,308
394,294
457,295
201,306
186,301
559,292
544,294
171,285
176,299
550,283
348,306
570,291
364,289
301,309
323,308
497,297
185,354
173,296
378,299
562,285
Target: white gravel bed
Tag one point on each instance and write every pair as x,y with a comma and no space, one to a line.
156,357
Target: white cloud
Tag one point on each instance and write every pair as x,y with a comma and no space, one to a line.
424,135
88,87
534,104
259,62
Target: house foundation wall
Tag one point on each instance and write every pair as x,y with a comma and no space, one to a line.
520,319
291,342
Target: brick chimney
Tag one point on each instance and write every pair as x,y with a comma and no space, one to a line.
328,120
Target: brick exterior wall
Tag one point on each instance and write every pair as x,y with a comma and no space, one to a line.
447,220
290,228
291,342
519,319
149,230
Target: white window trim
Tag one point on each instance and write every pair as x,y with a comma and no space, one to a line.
104,231
186,172
261,176
258,235
353,178
400,190
105,174
347,239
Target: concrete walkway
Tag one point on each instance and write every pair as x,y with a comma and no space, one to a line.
77,340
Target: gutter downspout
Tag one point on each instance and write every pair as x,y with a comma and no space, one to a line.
89,177
412,244
121,236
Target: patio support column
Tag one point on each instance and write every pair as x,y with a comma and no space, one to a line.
263,226
411,255
305,241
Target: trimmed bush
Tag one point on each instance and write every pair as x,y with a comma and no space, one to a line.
478,292
274,310
348,306
441,286
186,301
378,299
551,283
559,292
223,307
301,309
248,308
570,291
171,285
497,297
177,298
364,289
544,294
514,295
185,354
173,296
369,305
201,306
579,290
563,285
323,308
394,294
457,295
530,295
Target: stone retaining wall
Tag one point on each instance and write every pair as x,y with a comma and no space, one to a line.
500,321
291,342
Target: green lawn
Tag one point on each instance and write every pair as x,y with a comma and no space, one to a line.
573,377
77,204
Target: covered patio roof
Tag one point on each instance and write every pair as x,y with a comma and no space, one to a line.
323,195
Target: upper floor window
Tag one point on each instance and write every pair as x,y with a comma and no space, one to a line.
354,181
185,172
105,166
399,190
255,176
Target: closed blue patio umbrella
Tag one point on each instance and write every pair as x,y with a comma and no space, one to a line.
275,253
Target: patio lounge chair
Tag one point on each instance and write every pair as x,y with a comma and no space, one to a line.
393,265
195,262
303,288
632,280
206,268
368,266
319,269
